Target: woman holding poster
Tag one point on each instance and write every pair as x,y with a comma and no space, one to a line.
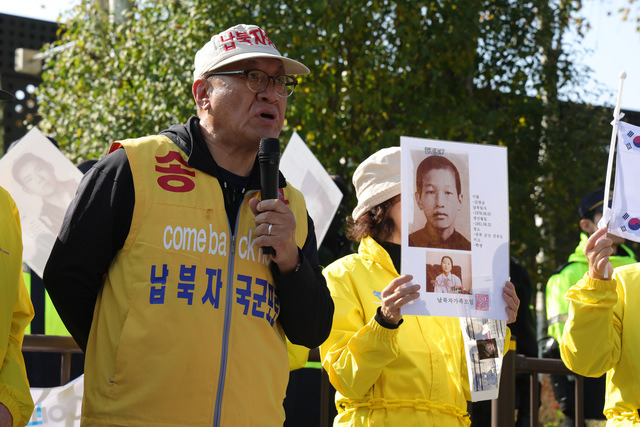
388,370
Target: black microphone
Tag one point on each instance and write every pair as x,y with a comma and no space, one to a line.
269,160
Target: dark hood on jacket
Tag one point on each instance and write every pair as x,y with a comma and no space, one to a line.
189,139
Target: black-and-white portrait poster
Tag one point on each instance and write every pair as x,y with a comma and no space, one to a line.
42,181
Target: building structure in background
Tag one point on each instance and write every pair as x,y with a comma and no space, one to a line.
20,39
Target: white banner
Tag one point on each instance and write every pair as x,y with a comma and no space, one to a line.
303,170
58,406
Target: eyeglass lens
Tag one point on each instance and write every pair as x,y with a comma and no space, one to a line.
258,81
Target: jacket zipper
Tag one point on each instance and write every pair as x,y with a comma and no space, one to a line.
227,320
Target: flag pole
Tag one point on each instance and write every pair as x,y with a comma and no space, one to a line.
614,133
612,148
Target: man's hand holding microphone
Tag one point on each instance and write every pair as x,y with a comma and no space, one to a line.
275,223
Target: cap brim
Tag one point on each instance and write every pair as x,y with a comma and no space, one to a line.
290,66
6,96
374,200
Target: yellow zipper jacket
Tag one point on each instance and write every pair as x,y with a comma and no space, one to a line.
602,334
558,284
186,330
414,375
16,312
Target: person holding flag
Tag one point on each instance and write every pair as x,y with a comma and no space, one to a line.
589,212
601,334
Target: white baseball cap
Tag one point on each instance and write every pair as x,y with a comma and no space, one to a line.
237,43
376,180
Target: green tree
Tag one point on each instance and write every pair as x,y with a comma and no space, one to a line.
487,72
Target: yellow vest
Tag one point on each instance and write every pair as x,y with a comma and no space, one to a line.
185,329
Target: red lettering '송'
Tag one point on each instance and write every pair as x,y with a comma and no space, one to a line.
175,177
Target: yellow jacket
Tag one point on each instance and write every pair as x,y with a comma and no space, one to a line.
413,375
16,312
602,335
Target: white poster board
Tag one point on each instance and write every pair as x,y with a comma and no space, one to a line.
57,406
455,228
42,181
322,196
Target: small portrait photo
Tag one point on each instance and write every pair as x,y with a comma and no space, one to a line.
487,349
441,214
448,272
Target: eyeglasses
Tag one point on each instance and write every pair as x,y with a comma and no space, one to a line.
258,80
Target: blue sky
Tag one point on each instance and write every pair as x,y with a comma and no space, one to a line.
609,47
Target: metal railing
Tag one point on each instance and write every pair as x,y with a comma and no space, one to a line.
502,408
64,345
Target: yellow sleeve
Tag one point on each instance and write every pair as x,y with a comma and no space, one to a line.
357,350
594,317
298,355
16,312
464,380
507,341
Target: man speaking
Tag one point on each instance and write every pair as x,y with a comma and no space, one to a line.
175,335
